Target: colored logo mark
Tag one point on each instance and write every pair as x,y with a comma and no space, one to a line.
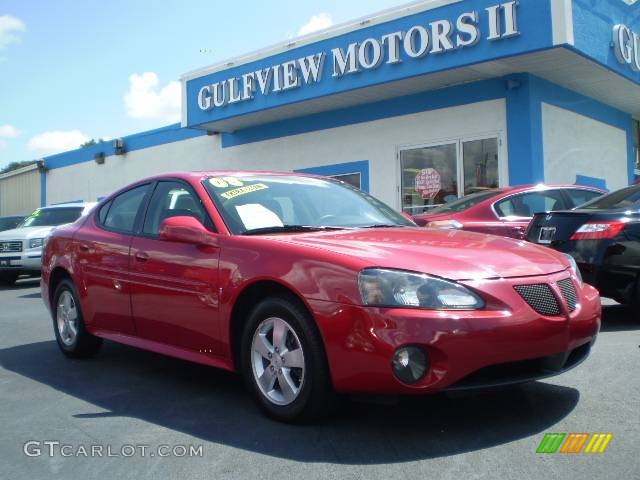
573,443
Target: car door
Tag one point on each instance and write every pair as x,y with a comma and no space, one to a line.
174,294
102,252
515,211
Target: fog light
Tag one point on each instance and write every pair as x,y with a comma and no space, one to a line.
409,364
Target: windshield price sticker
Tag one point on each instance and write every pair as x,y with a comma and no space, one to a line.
243,190
225,182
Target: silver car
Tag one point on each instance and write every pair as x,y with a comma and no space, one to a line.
21,248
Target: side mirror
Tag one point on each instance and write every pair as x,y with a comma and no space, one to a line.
185,229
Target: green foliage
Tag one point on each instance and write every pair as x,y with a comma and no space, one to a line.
16,165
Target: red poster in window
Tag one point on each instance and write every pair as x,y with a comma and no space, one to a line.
428,183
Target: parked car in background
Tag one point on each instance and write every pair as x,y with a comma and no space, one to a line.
8,223
505,211
21,247
310,287
604,238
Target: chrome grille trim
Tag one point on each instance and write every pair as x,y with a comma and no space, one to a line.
540,297
11,246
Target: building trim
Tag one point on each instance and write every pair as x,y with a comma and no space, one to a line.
43,188
151,138
421,102
562,22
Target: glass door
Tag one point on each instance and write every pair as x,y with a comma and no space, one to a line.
429,177
438,174
480,162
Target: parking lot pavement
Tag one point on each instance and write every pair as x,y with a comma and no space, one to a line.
127,397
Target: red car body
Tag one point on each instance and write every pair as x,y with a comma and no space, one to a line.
486,217
188,300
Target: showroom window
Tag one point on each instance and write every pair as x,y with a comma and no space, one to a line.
353,179
354,173
436,174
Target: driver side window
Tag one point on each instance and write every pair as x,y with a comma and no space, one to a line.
172,199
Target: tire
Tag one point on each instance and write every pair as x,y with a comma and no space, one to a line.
634,304
80,344
306,393
8,278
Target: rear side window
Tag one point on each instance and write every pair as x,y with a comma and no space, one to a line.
526,204
123,209
579,196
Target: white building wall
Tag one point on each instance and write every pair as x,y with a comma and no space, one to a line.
578,145
89,181
377,141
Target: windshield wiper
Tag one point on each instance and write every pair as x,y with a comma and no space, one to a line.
383,225
289,229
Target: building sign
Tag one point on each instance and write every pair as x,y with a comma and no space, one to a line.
626,45
428,183
438,37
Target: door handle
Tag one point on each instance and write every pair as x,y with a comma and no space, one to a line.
84,247
142,256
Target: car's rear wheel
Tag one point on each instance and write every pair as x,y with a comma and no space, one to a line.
8,278
71,334
284,363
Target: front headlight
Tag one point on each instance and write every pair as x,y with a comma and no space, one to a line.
36,242
574,267
396,288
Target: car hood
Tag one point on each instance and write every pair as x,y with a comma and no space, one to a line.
453,254
25,233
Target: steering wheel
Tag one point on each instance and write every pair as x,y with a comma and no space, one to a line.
324,218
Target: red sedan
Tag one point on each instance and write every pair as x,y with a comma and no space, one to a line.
311,288
506,211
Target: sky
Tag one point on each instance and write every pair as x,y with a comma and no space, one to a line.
73,70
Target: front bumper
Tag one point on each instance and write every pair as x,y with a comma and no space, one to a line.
508,336
26,262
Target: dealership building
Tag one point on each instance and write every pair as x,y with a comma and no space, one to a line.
418,105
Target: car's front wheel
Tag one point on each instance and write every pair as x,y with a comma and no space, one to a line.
71,334
284,363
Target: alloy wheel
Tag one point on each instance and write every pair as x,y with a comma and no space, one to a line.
277,361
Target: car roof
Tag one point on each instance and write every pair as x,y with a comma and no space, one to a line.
69,205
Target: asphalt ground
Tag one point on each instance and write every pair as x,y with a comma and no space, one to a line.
127,398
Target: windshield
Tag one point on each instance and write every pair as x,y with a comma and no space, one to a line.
8,223
627,198
270,202
51,217
465,202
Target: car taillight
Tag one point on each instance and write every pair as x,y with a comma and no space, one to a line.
598,230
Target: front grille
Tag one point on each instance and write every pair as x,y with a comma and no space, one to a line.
540,298
6,247
569,293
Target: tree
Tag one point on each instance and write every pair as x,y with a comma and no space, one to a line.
92,142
